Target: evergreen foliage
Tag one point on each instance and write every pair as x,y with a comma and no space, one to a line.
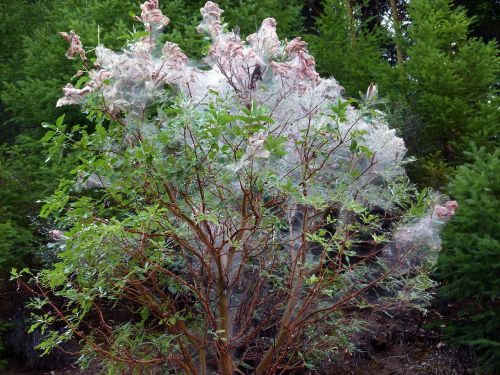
438,98
347,48
450,76
470,261
32,81
25,179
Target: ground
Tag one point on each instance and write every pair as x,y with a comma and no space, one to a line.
406,345
398,345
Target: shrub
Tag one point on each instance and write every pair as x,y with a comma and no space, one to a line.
227,217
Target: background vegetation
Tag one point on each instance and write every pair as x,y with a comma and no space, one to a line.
435,64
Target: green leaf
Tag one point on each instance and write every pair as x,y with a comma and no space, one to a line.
60,120
48,136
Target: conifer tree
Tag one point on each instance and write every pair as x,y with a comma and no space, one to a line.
451,78
470,261
348,49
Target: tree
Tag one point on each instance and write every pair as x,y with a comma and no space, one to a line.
446,79
25,179
348,48
224,218
396,24
451,78
31,81
469,263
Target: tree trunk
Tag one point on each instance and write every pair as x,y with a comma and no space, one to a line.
298,281
350,19
267,359
397,30
225,358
